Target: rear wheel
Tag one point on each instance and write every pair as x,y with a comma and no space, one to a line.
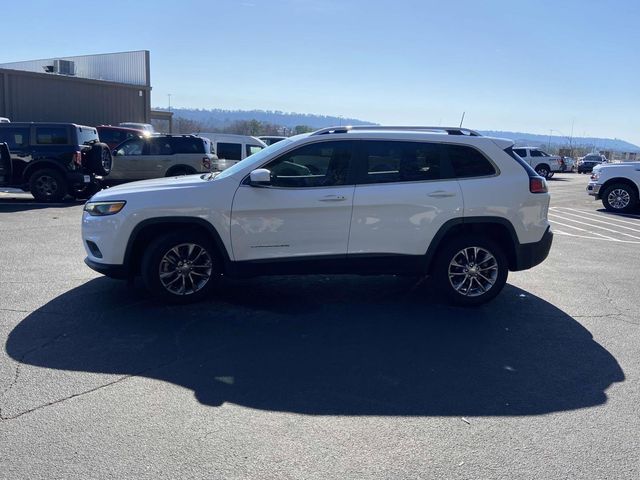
619,197
180,267
48,185
543,171
471,270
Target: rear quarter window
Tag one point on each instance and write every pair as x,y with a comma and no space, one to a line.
188,145
52,136
468,162
86,135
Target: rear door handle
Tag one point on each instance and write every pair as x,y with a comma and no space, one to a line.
333,198
442,194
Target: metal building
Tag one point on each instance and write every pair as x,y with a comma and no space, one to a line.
89,90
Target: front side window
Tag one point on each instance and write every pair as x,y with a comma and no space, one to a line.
468,162
51,136
230,151
536,153
15,137
390,161
323,164
251,149
135,146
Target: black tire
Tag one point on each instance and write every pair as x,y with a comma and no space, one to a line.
543,171
550,175
175,245
620,198
48,185
100,160
472,294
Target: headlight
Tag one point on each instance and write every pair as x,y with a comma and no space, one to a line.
99,209
595,176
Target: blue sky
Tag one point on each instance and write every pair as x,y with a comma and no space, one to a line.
531,66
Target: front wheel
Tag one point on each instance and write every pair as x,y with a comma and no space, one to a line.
619,198
180,267
471,270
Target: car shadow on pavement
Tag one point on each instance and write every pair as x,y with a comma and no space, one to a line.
329,346
12,205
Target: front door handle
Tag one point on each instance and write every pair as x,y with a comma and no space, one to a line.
333,198
442,194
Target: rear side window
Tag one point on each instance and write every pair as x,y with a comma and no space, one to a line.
389,161
230,151
468,162
520,151
86,135
187,145
160,146
536,153
15,137
251,149
52,136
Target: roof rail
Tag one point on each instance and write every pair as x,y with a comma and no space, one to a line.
448,130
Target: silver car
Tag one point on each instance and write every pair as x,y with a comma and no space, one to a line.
141,158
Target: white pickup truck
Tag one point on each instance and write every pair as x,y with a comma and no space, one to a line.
617,185
544,164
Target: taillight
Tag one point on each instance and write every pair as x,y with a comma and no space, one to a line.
537,185
206,163
77,158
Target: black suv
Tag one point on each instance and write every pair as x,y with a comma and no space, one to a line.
52,160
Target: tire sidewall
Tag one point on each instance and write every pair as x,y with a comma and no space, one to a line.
156,251
96,153
61,182
633,198
446,254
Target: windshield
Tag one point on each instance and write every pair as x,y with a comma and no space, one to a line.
256,158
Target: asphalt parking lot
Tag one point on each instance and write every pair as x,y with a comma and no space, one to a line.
321,377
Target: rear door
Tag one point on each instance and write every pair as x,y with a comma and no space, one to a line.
405,193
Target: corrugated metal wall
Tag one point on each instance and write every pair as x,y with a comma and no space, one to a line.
122,67
39,97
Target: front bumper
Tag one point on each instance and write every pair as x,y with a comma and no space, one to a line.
593,189
529,255
113,271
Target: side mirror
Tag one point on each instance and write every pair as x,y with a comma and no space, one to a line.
260,177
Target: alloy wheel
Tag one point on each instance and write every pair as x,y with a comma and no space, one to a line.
185,269
473,271
619,198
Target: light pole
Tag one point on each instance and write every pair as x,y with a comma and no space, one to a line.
169,95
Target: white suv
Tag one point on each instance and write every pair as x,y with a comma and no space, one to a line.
617,185
369,200
544,164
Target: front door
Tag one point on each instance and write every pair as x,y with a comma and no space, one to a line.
304,212
129,160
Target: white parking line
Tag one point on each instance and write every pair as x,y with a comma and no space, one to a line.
561,232
584,217
610,216
593,226
588,231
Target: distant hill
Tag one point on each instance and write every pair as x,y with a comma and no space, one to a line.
531,139
218,118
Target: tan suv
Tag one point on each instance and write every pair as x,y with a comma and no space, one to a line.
157,156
